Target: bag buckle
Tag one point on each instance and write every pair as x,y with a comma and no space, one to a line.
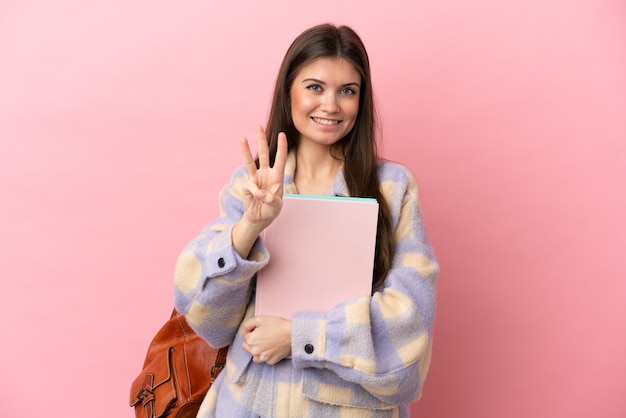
216,369
146,391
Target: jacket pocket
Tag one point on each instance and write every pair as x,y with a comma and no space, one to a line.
325,386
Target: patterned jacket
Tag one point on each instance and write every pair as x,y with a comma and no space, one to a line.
370,354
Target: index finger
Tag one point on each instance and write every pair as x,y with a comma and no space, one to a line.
281,153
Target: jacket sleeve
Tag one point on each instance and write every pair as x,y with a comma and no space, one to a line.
213,284
380,343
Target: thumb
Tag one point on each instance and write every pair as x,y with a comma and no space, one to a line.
250,324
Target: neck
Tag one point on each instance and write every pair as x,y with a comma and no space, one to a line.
316,169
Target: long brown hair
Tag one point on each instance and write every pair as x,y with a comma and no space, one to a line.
359,145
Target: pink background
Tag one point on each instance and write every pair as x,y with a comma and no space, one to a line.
120,120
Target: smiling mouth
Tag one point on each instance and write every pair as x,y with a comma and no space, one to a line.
328,122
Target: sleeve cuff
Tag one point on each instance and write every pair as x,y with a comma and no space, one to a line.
224,261
308,339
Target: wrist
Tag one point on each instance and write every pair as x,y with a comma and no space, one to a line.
244,235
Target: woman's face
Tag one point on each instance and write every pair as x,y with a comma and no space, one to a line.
325,100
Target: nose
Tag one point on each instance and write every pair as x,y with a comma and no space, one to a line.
330,103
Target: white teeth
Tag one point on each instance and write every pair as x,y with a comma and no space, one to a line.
325,121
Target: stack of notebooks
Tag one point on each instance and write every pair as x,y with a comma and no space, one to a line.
321,253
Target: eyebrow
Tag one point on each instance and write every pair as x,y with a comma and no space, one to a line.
308,80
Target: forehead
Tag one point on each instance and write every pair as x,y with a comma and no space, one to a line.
329,70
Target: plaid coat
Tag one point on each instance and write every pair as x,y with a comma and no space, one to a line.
370,354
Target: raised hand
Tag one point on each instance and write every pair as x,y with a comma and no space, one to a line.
262,192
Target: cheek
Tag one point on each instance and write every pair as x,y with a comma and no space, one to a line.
352,109
299,104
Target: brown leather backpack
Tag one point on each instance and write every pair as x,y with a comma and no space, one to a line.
177,373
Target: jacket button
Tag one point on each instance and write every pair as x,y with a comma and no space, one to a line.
309,348
220,262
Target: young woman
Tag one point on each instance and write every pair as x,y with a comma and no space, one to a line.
366,357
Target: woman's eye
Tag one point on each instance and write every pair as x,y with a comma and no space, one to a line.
347,91
315,87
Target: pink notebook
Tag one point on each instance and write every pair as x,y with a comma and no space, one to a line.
321,252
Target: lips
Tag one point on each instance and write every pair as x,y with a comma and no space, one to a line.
328,122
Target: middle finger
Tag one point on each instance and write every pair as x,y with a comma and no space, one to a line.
262,148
